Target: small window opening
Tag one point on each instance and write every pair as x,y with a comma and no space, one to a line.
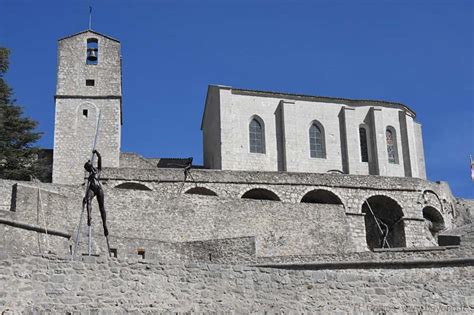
85,112
90,82
141,253
92,53
113,252
364,151
391,139
210,257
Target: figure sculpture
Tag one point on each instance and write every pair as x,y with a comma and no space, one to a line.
94,188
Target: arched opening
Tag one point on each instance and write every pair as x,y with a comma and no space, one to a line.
364,144
391,139
92,51
200,191
260,194
384,225
317,142
321,196
256,135
434,221
133,186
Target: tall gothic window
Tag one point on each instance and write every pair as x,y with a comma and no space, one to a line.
316,141
256,136
364,150
391,139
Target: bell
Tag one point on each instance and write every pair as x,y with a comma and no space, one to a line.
92,54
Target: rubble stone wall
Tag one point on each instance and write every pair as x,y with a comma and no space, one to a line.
138,218
100,286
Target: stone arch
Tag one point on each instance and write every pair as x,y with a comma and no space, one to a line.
260,194
321,196
434,220
430,198
132,186
387,229
200,191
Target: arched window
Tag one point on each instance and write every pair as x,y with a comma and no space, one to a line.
391,138
256,136
364,149
316,141
92,54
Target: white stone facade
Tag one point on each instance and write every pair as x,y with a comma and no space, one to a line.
286,120
88,100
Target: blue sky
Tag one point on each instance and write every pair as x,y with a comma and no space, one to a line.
419,53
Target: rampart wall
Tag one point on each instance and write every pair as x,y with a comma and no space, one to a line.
353,190
167,222
139,219
411,194
103,286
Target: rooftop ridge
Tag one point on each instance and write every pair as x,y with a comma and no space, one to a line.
89,30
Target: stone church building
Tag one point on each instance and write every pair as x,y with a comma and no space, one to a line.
270,131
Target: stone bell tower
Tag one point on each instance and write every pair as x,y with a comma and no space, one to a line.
88,104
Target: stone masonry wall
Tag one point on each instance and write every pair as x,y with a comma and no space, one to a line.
143,217
100,286
410,193
138,219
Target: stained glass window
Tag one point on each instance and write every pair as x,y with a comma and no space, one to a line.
256,136
364,151
391,146
316,142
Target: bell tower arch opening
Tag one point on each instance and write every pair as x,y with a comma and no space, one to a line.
92,51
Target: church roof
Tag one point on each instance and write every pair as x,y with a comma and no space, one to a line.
90,31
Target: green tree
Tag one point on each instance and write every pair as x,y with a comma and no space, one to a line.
18,157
